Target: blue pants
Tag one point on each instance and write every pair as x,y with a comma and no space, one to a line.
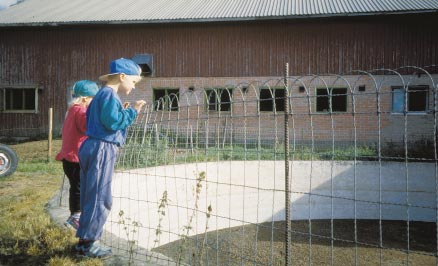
97,159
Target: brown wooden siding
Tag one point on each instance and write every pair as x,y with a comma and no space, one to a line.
55,57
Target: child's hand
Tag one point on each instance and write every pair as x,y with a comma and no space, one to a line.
126,105
138,105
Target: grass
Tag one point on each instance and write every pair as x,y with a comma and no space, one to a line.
27,234
150,153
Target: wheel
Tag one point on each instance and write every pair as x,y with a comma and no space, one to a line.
8,161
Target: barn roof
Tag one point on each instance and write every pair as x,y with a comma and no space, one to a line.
67,12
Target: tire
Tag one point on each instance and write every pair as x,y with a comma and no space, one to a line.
8,161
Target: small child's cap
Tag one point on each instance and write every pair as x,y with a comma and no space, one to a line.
122,65
85,88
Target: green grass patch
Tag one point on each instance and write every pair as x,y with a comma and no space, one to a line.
152,153
27,235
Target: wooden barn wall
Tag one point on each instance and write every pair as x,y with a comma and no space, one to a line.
53,57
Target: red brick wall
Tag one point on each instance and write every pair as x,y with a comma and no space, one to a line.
366,120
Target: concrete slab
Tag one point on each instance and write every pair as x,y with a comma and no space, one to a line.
252,192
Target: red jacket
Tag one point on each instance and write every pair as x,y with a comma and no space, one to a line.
73,133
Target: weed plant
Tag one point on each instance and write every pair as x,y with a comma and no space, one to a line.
161,213
130,227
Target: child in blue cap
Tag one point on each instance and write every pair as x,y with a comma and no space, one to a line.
73,134
107,121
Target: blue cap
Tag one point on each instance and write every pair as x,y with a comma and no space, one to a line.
122,65
85,88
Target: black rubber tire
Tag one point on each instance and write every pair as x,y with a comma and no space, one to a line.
8,161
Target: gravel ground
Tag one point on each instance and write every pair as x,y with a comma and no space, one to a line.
260,245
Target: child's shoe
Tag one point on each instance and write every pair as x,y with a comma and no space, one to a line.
73,222
93,249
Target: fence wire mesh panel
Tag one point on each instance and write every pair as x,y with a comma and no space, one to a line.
201,179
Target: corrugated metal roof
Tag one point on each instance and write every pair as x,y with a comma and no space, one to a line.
37,12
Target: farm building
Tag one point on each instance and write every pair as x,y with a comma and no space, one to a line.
213,55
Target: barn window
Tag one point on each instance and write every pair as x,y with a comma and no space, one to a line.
166,99
19,99
337,97
219,99
417,99
271,99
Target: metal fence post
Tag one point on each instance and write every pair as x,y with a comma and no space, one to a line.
286,163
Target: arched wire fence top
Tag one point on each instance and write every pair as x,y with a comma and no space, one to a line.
356,83
271,85
166,103
312,79
316,78
254,87
243,87
243,90
419,73
431,67
328,85
186,95
383,71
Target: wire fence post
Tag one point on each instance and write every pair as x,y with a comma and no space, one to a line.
286,163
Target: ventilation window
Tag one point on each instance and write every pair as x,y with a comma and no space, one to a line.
145,61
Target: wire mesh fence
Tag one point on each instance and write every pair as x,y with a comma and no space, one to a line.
201,179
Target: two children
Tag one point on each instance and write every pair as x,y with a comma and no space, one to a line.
107,121
91,138
73,134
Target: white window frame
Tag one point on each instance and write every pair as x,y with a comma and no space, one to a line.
401,97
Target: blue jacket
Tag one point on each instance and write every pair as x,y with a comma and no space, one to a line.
107,120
